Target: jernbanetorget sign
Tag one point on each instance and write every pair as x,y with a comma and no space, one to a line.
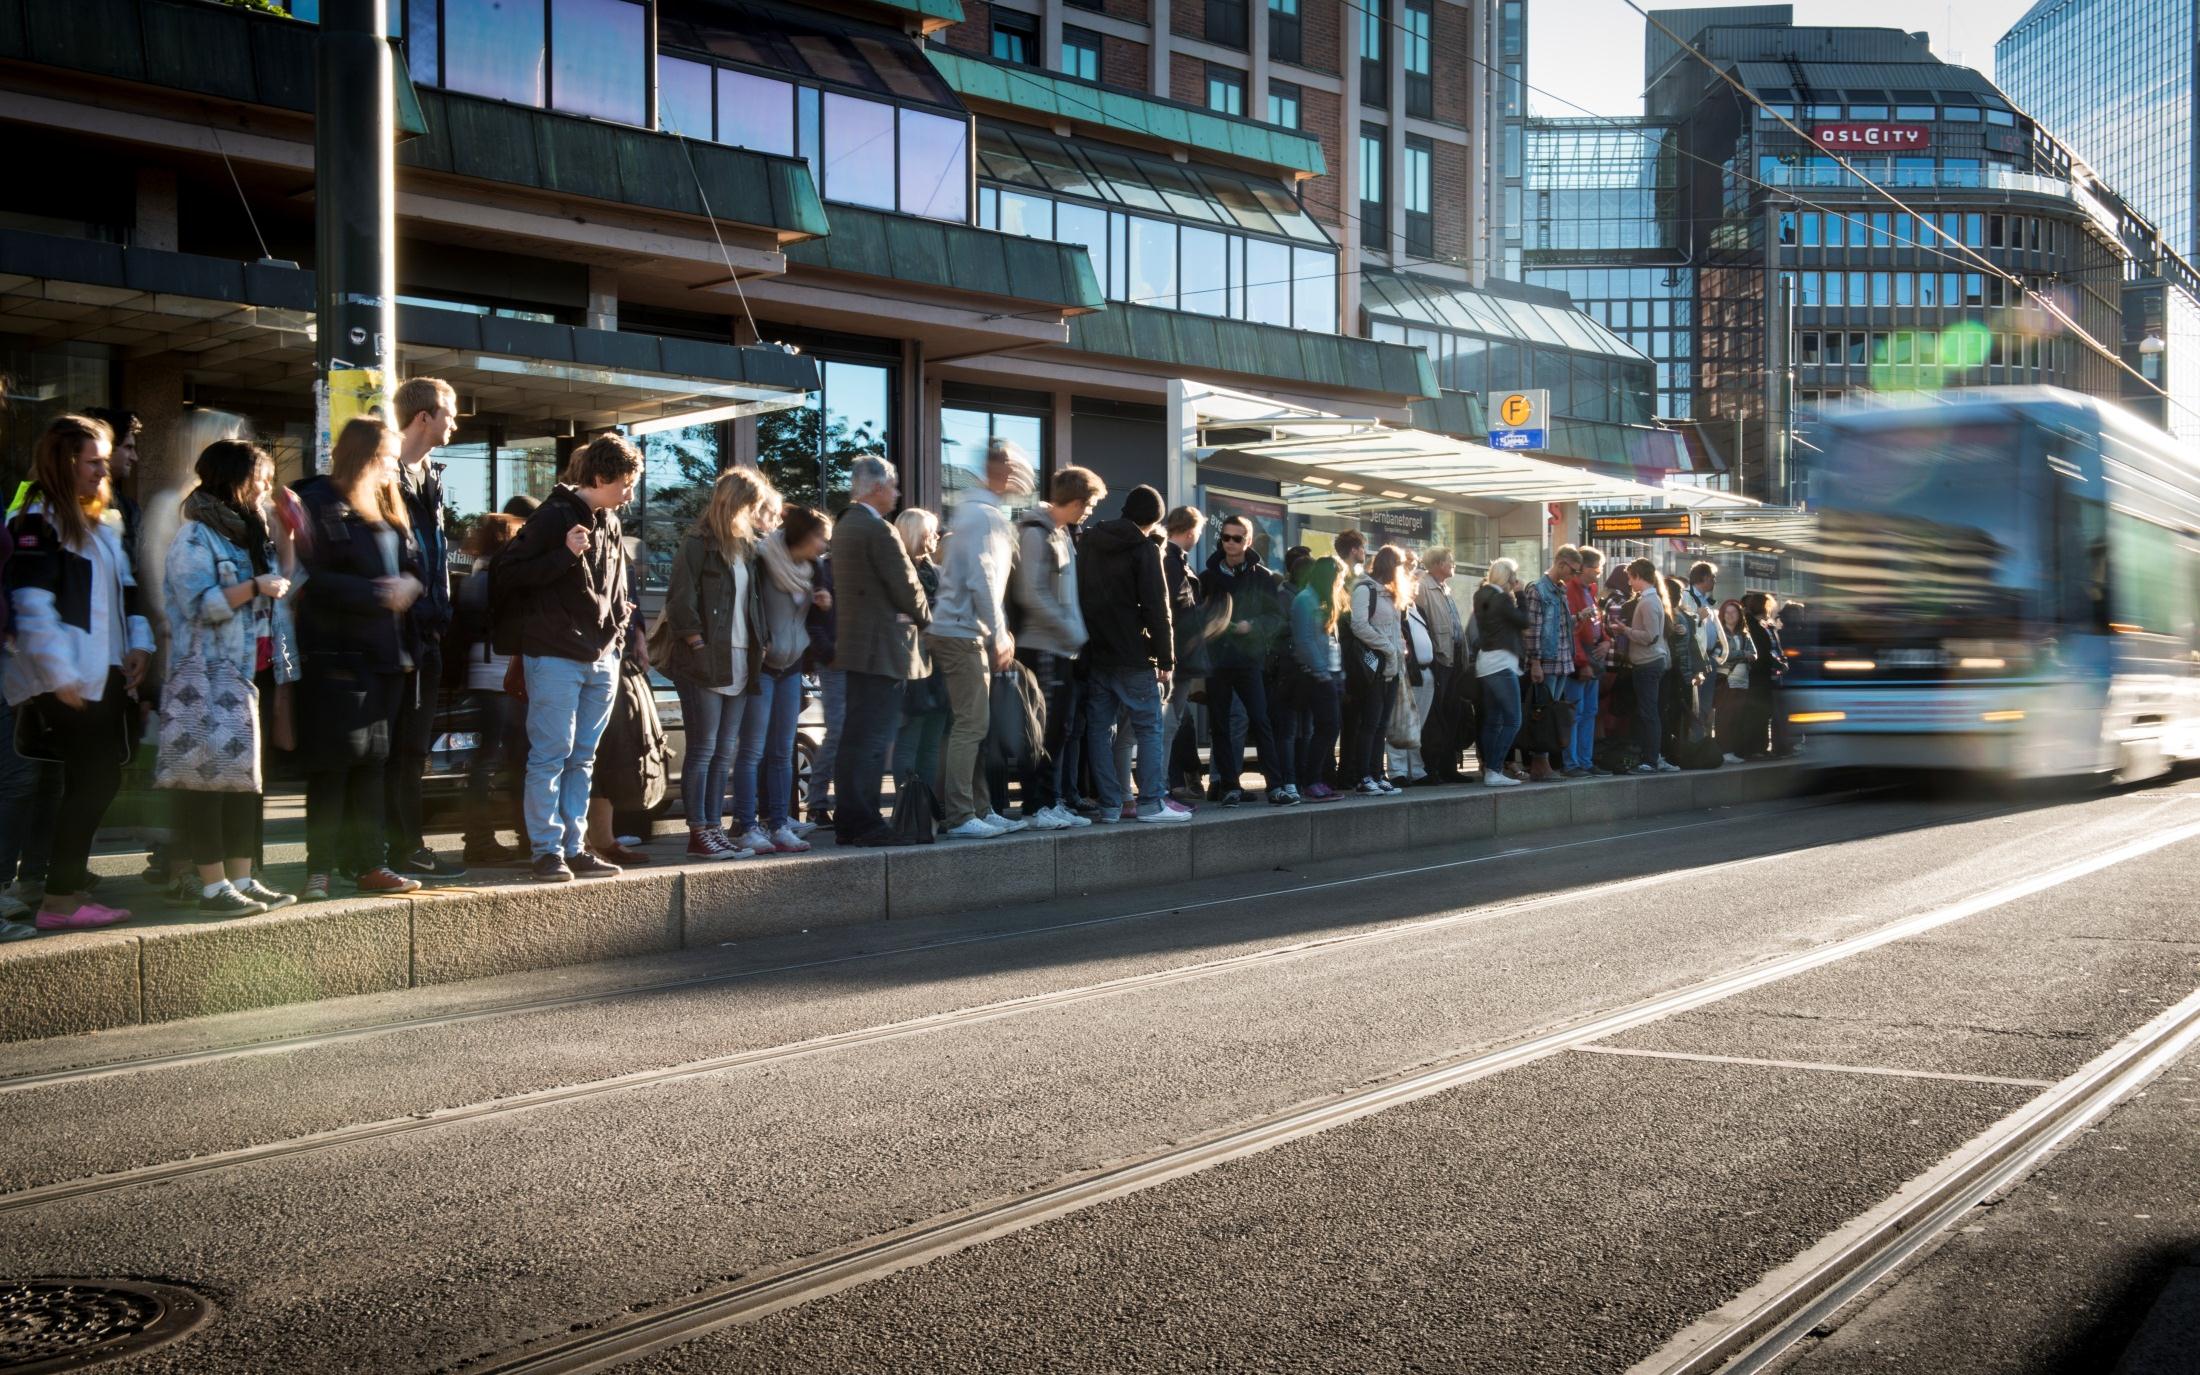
1519,420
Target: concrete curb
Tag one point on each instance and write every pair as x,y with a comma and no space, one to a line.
165,969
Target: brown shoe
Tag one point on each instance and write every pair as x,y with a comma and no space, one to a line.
626,859
1542,773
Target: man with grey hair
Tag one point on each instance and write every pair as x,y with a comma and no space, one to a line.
969,640
1440,742
882,609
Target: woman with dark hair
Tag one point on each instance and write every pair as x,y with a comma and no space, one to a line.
1374,658
1316,608
1736,664
500,725
80,650
362,574
230,644
786,590
1753,740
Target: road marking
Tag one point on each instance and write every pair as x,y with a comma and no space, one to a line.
622,1339
1751,1332
1888,1070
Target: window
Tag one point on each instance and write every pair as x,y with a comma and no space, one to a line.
807,451
1905,287
1882,289
1314,290
1787,227
1284,42
683,98
1225,90
1267,282
1420,196
495,50
599,59
755,112
1882,229
1015,38
1867,112
1961,114
934,166
859,151
1374,71
1081,53
1916,112
1810,229
1152,262
1226,22
1974,231
1809,284
1203,270
968,430
1283,104
1859,289
1374,232
1420,24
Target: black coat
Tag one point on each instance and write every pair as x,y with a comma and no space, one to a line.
1125,597
550,603
1254,595
431,615
342,625
1498,621
1771,664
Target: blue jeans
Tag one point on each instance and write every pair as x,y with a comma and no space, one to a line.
768,717
712,721
1581,750
1132,696
568,705
832,686
1500,719
1649,720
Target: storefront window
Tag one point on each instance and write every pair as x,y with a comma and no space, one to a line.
806,451
678,470
967,431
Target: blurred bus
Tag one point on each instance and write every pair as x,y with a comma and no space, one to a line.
2004,580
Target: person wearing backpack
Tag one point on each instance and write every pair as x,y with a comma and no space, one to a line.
1649,660
1708,655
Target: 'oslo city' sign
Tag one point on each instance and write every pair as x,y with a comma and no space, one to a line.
1881,137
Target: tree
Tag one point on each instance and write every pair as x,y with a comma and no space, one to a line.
807,456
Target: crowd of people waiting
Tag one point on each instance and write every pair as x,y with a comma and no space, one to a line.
1058,664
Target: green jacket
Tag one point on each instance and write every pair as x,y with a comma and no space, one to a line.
700,602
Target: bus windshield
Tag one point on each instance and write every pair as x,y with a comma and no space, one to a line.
1928,531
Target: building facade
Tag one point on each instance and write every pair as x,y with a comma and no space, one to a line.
2114,80
1811,283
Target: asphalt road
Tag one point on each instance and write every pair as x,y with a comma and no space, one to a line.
440,1179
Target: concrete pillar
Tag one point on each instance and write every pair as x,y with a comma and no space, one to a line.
1157,52
603,298
918,420
154,225
1348,171
1183,441
153,387
1062,422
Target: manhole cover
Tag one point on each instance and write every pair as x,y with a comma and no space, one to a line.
69,1324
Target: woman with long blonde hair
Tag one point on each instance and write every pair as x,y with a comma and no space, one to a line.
356,648
1499,619
712,622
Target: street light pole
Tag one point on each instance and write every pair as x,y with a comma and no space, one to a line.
354,160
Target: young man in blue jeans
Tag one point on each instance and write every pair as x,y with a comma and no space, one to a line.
559,597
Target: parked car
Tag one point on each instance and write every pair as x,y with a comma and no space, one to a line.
458,736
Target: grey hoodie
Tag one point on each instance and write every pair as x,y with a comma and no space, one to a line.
981,548
1045,587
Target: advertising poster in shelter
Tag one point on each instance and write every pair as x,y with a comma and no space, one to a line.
1271,523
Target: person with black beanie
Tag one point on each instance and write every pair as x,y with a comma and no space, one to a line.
1132,652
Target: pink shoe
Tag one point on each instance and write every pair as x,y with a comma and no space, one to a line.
1129,812
1170,804
88,916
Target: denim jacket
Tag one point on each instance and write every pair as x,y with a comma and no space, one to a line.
1550,624
201,567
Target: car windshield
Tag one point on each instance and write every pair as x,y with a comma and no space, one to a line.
1926,531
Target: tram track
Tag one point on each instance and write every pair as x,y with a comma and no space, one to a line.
882,1033
1791,1307
242,1049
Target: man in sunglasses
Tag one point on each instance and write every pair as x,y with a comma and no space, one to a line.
1240,654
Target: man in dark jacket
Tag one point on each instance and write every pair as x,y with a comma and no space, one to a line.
1132,653
558,595
1239,657
881,609
427,417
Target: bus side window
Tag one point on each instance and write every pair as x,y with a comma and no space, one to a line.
2082,555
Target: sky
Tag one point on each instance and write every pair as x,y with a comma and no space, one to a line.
1589,52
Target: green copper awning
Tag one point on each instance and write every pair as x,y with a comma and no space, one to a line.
906,248
1025,88
1195,344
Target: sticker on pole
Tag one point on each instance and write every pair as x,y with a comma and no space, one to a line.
1519,419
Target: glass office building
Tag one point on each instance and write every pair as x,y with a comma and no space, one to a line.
2114,80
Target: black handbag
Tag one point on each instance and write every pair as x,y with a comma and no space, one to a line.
1550,722
917,814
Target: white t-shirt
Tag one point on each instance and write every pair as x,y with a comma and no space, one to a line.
737,641
1491,661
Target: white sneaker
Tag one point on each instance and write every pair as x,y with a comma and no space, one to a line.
1165,814
1003,824
1498,780
1668,766
1070,818
802,829
13,908
976,828
1732,759
756,840
1048,819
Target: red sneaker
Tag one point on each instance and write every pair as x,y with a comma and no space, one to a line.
384,881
